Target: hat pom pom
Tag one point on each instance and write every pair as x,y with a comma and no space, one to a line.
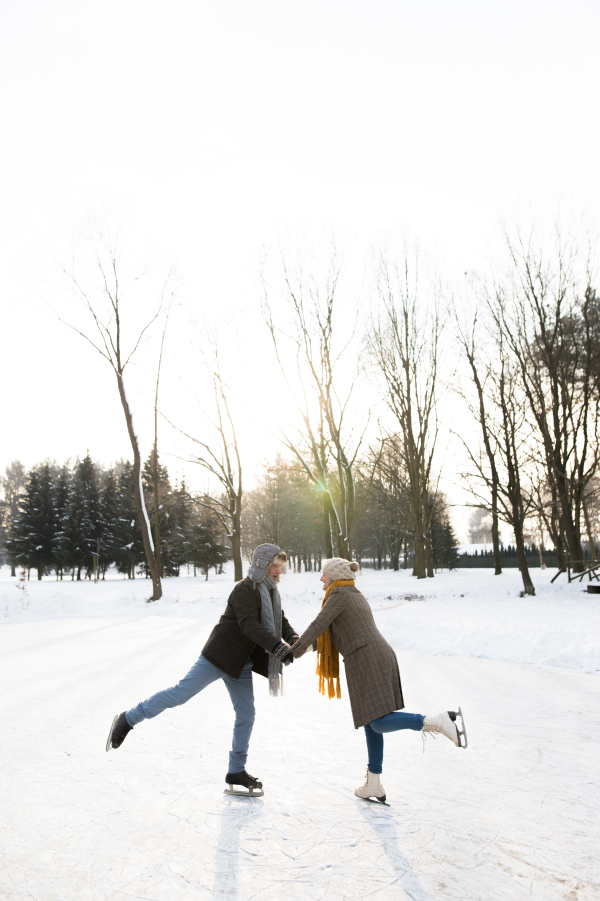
354,567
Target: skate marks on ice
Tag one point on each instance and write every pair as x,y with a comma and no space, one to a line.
280,849
239,836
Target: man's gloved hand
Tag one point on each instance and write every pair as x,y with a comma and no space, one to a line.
283,652
294,638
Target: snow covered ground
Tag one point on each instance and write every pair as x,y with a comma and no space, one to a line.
515,816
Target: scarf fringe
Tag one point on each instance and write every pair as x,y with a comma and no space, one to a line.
328,657
276,686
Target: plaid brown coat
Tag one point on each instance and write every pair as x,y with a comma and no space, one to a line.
371,666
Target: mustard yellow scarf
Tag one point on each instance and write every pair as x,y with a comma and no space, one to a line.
328,657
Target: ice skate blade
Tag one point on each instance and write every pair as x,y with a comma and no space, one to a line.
110,734
462,736
374,801
256,793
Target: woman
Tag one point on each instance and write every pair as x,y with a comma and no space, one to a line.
346,624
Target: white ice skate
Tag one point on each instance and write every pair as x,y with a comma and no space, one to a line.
445,724
372,790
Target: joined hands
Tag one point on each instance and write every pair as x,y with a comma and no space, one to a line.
283,651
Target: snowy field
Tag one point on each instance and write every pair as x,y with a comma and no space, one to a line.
513,817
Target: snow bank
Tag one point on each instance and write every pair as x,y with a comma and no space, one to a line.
469,613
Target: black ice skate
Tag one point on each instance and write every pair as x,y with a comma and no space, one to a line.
118,731
245,779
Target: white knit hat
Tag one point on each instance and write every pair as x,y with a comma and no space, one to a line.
338,568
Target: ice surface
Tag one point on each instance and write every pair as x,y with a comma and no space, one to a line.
515,816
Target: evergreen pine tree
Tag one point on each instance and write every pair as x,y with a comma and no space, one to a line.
444,546
13,485
32,537
165,504
203,547
81,527
129,548
111,528
180,521
62,493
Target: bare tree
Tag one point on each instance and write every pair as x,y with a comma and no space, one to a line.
105,309
403,342
327,447
159,564
591,512
391,511
506,456
222,460
548,315
466,337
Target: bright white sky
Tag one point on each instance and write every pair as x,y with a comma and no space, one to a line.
214,129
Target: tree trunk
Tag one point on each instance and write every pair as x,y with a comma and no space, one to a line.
428,555
13,571
236,545
588,527
573,542
40,570
496,533
554,528
159,565
327,526
343,547
140,507
522,561
419,566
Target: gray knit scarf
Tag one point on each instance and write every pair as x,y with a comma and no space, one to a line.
271,620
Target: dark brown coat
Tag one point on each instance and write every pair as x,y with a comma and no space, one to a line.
239,634
371,666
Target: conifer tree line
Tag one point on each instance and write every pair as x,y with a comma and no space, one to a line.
77,521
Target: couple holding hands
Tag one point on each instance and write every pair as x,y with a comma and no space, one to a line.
253,635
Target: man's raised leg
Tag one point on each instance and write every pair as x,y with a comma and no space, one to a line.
201,674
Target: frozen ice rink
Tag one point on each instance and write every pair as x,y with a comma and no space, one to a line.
513,817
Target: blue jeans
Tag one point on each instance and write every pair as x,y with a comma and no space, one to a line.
391,722
202,674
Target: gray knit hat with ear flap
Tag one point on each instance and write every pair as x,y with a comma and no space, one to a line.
263,559
338,568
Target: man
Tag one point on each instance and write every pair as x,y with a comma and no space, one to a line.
252,635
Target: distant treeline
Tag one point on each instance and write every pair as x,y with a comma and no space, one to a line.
78,519
81,519
289,510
